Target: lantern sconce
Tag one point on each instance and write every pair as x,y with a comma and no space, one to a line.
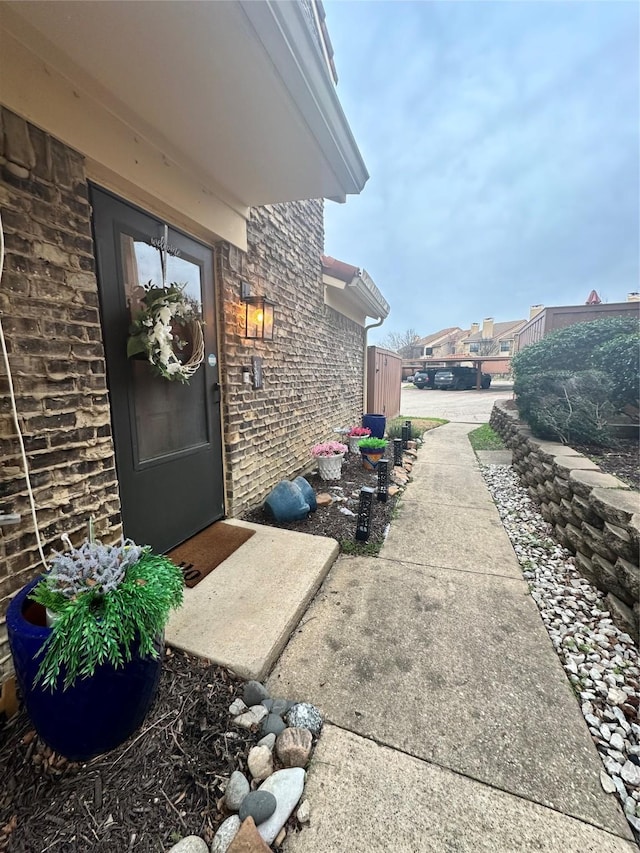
258,321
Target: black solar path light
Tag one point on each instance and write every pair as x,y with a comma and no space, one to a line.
383,480
363,528
406,435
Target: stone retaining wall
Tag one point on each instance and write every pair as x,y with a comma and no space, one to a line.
594,515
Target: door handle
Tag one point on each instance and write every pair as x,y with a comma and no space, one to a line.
215,389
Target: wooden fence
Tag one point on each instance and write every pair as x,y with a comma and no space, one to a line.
384,379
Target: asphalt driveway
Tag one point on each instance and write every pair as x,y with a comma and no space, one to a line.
469,407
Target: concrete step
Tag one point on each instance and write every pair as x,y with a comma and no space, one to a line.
241,615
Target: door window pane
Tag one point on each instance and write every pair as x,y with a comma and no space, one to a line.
170,417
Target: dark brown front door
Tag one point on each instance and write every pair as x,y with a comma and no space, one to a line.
166,434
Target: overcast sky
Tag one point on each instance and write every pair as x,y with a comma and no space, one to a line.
502,140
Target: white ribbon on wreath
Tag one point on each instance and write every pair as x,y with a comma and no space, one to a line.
152,332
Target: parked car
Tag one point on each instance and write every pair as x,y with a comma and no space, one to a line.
459,379
424,378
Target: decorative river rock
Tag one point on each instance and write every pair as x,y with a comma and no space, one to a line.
304,715
287,787
260,805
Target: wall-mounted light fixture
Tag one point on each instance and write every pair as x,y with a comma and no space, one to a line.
258,322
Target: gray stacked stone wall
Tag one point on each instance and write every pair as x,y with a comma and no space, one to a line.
313,369
49,305
593,514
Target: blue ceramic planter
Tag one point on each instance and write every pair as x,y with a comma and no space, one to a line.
376,423
94,715
307,492
286,502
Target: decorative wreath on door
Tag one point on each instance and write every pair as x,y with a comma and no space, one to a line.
157,332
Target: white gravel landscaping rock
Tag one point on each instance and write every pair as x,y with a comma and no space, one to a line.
304,812
268,741
631,773
252,717
601,662
260,762
607,783
237,707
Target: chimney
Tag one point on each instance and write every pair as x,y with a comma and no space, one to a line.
633,297
535,309
474,328
487,328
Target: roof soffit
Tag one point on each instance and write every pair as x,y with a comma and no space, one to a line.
246,100
360,291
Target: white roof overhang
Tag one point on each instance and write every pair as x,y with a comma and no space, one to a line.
239,92
358,298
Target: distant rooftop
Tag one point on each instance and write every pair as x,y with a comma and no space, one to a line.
499,330
435,336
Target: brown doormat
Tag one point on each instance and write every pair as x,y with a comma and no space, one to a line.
203,552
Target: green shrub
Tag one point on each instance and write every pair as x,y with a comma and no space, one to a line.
620,360
394,429
572,348
566,406
571,382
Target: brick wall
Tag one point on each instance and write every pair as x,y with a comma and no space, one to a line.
313,369
593,514
49,306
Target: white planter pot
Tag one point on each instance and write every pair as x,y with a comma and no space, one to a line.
353,443
330,467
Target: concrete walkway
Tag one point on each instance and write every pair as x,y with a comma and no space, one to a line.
450,724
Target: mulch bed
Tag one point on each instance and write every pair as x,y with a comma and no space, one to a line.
622,462
329,521
167,781
162,784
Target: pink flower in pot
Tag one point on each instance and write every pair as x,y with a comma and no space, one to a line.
329,455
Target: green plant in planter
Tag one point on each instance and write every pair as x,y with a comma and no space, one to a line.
106,602
372,444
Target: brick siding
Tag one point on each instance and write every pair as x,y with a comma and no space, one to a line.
49,305
313,369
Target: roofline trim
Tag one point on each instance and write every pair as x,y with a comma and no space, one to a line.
304,73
